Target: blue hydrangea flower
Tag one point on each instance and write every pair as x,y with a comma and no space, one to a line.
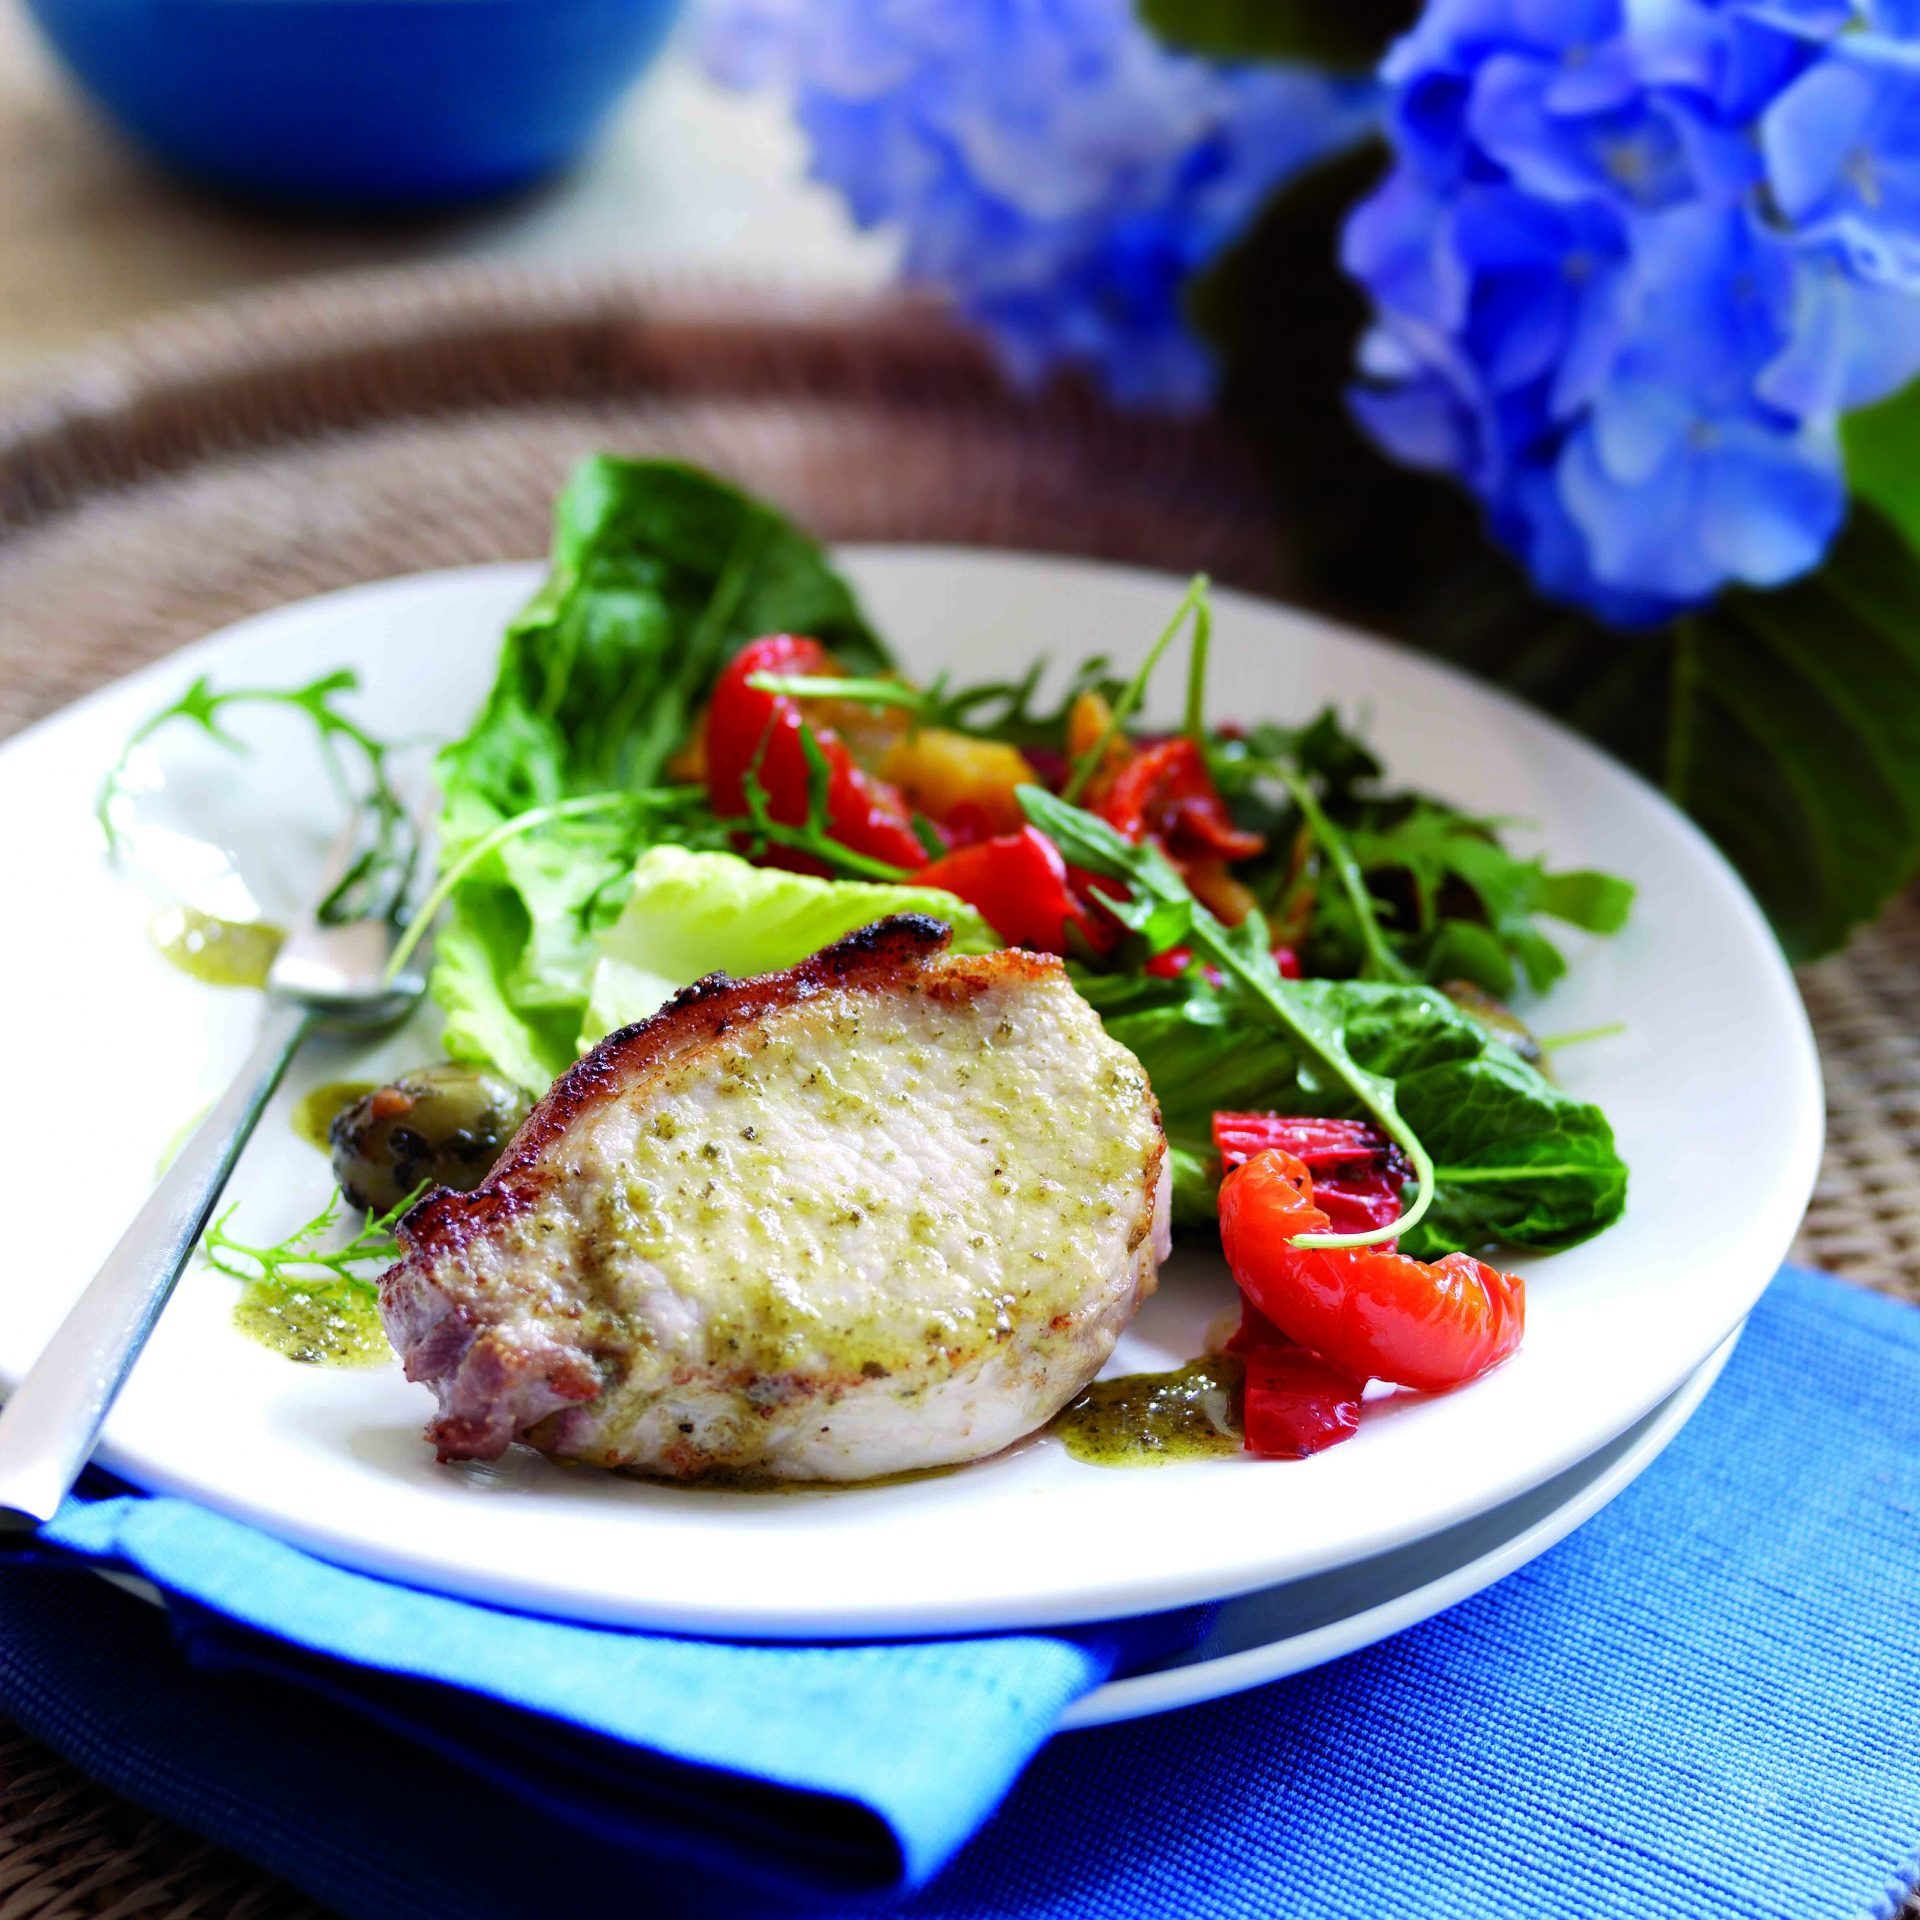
1046,162
1633,261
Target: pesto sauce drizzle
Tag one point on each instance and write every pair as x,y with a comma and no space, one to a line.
1154,1419
319,1326
220,953
316,1110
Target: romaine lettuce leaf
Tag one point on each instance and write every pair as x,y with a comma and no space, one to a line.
1517,1160
689,914
659,575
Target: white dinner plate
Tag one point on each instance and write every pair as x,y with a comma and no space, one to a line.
1713,1088
1301,1624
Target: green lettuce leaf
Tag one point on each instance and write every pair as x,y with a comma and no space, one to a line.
690,914
659,575
1517,1160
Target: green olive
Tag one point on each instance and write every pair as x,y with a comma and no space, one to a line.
443,1125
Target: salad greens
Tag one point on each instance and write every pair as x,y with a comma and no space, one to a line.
1517,1159
584,875
660,573
1161,910
690,914
1003,710
1387,885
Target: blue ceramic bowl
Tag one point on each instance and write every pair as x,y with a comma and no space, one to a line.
358,103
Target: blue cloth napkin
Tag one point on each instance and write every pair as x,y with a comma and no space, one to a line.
1706,1702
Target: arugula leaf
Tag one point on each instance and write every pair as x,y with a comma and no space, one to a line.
1518,1160
1436,848
660,574
1410,888
1323,751
813,836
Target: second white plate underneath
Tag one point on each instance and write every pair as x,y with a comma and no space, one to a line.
1301,1624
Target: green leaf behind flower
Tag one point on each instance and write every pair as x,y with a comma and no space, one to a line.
1353,35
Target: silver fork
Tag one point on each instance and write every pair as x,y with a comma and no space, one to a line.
330,972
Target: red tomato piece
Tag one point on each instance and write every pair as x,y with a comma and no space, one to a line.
1295,1403
1020,883
1358,1174
1165,793
752,731
1373,1314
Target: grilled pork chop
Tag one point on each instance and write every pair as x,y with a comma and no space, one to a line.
888,1209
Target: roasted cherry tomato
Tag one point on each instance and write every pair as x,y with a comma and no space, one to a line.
1359,1175
1372,1314
1165,793
752,731
1020,883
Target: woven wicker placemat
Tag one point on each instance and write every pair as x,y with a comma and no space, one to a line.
324,433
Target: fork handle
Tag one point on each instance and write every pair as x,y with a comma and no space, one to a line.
50,1422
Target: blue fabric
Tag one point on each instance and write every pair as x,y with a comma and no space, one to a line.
1703,1703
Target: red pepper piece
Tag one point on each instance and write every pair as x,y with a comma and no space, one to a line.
1020,883
1295,1403
746,725
1255,1333
1358,1173
1165,793
1171,964
1372,1314
1175,961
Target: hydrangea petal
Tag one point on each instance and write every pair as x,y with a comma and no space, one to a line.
1768,507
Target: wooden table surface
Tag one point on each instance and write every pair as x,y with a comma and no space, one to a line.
93,237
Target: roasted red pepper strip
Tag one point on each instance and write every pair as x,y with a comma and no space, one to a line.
1359,1175
1372,1314
1176,960
1165,793
1019,882
746,726
1294,1403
